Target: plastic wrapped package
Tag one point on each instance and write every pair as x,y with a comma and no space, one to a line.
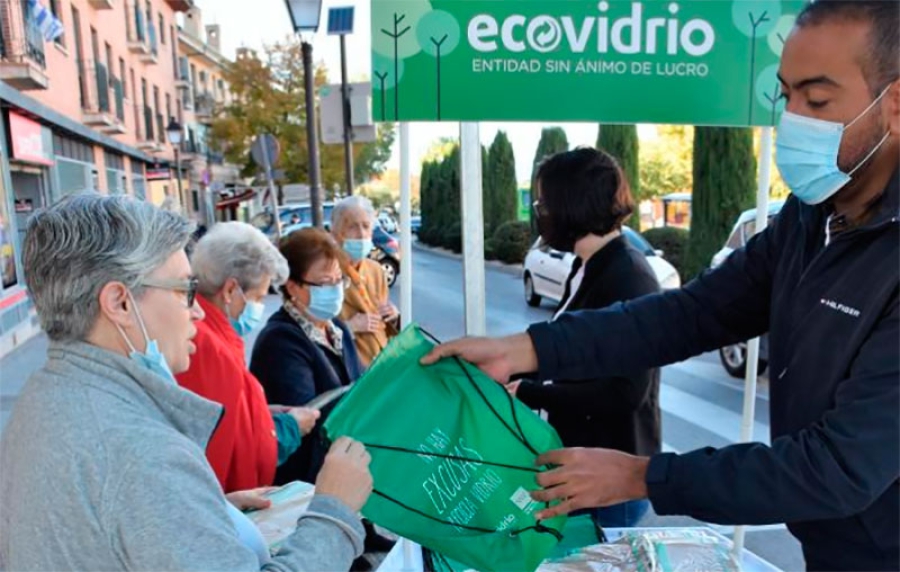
614,557
675,550
681,551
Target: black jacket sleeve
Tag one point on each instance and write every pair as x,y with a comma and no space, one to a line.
589,398
282,361
721,307
832,469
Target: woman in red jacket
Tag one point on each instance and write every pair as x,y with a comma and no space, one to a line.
235,265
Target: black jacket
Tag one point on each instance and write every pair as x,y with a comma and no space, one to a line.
619,413
292,370
833,320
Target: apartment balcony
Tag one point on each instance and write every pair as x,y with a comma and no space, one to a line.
182,74
147,139
23,64
103,107
180,5
141,35
205,108
151,57
102,4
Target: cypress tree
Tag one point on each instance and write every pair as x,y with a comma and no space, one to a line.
621,141
724,186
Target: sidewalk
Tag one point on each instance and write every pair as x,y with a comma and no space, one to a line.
15,369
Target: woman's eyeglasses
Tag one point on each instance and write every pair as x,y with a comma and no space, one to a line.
188,286
344,282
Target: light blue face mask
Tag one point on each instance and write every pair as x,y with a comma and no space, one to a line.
358,248
250,318
151,358
325,302
806,152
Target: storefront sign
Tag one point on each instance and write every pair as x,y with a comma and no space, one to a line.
158,174
27,140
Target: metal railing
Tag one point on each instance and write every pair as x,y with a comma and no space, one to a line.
151,35
148,124
22,41
96,86
205,104
138,120
135,28
118,90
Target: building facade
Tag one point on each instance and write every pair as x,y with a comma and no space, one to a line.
89,111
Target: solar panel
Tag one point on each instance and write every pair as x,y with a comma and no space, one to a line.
340,20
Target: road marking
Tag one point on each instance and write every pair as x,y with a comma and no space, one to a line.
702,413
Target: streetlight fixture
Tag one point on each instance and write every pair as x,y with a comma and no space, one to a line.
305,15
175,134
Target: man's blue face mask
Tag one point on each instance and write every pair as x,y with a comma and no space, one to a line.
806,152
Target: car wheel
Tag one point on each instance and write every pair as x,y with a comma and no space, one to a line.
391,270
734,360
531,298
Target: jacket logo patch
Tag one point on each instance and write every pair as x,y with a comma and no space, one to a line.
853,312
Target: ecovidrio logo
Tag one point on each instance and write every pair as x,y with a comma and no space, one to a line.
630,34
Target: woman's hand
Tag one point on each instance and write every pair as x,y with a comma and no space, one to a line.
250,499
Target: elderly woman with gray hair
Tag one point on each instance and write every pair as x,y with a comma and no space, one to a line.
103,456
235,264
367,306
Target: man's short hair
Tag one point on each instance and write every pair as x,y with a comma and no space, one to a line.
881,64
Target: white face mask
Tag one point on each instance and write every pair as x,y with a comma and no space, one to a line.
806,152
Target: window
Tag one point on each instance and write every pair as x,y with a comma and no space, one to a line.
55,9
162,30
168,107
123,77
8,275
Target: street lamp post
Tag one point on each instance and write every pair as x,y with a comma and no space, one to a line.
175,135
305,18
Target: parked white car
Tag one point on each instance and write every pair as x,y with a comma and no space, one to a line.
387,222
546,269
734,357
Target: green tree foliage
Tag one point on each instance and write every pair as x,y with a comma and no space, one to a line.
501,191
268,96
621,141
724,186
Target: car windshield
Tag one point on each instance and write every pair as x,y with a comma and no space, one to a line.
638,241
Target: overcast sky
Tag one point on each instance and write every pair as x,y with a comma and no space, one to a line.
252,23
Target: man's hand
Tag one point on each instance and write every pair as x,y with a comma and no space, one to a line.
273,409
366,323
587,478
250,499
345,473
499,358
306,418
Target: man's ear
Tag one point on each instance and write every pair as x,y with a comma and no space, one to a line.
892,108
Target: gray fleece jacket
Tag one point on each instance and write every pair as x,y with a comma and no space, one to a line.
102,467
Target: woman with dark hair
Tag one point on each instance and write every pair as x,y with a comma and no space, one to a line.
583,201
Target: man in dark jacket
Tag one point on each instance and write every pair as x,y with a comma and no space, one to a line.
823,280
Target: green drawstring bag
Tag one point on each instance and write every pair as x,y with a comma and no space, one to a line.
452,458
